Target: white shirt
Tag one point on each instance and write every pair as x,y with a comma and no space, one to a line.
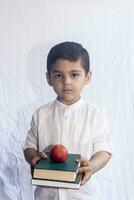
82,127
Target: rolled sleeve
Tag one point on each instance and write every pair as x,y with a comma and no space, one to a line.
32,136
101,133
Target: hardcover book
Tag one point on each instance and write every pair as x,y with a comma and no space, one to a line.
61,184
61,171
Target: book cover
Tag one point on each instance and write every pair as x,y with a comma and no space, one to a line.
63,171
60,184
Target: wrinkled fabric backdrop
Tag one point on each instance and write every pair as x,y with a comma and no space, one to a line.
28,29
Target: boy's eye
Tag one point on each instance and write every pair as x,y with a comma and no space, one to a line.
75,75
58,76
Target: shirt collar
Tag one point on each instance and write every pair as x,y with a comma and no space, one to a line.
73,106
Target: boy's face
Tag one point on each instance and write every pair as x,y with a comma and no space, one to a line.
68,79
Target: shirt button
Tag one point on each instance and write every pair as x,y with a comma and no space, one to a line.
65,117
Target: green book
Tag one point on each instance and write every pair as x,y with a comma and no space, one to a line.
61,171
60,184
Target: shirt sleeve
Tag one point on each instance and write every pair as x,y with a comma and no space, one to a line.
101,136
32,136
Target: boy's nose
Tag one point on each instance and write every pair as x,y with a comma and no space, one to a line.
67,80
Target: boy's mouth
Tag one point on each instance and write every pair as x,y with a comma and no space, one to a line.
67,90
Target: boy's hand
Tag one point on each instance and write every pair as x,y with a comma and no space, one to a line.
98,161
32,156
40,155
37,157
85,168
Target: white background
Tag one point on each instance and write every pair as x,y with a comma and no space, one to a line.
28,29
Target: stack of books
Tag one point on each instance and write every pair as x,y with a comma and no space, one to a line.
57,174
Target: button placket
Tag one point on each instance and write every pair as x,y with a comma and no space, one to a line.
65,128
65,114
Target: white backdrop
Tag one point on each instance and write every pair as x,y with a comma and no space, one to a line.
28,28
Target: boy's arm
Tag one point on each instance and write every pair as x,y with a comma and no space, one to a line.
32,156
89,167
99,160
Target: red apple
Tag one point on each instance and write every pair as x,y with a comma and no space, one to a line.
59,153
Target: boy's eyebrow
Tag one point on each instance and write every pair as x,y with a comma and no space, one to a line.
56,71
76,70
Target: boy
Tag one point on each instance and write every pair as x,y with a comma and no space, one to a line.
82,127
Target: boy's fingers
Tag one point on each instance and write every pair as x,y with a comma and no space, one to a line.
83,161
43,155
84,170
38,157
35,159
85,179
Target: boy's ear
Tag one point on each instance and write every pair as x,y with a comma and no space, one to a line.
48,79
88,77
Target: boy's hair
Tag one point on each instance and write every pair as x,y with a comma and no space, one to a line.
69,51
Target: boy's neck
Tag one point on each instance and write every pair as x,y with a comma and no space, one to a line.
68,103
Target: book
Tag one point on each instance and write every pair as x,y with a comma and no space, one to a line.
60,184
61,171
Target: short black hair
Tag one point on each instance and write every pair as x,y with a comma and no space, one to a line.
71,51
